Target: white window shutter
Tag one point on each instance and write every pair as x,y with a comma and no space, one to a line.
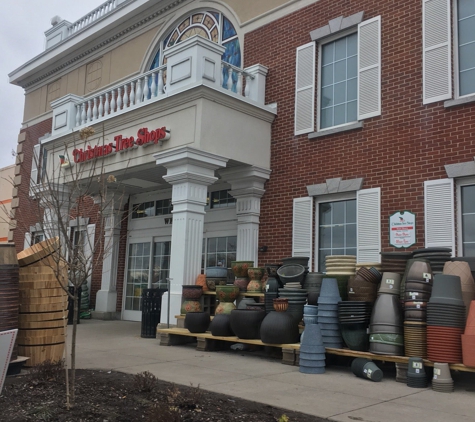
305,89
439,214
27,242
436,51
34,169
369,68
368,225
302,229
89,250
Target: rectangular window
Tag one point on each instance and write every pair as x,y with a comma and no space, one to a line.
336,229
466,46
221,199
468,220
339,82
219,251
163,207
145,209
161,262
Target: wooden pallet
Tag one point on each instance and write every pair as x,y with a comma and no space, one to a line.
207,342
290,352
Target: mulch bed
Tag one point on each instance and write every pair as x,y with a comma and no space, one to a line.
40,395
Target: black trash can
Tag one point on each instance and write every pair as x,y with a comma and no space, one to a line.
151,308
71,305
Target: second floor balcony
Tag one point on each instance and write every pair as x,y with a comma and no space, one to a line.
194,62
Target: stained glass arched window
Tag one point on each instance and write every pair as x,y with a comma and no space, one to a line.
213,26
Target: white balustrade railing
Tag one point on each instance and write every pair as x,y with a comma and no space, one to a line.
91,17
141,89
148,87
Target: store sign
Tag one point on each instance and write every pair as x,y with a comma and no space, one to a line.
402,229
122,144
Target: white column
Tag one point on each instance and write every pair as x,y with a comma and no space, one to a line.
56,199
106,297
190,171
247,186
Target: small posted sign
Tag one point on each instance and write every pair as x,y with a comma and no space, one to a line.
402,229
7,340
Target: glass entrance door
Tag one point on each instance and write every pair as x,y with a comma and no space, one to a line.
148,262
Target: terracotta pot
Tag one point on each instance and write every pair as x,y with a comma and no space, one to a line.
201,281
468,350
471,315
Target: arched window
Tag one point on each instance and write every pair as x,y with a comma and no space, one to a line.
213,26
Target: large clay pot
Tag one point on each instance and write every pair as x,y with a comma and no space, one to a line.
197,322
240,267
227,293
192,292
279,328
246,323
221,326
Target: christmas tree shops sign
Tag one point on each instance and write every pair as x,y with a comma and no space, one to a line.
402,229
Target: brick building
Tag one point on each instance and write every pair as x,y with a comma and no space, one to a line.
300,126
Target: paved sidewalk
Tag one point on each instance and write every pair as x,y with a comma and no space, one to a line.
337,395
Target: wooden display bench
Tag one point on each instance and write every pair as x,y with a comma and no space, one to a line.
290,352
208,342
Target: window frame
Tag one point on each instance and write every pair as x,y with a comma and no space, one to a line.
318,90
344,196
459,183
456,54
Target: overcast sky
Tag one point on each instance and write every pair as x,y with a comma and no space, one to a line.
22,38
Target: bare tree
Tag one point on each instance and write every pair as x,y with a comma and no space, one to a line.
68,197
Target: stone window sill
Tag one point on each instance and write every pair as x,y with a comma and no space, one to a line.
352,126
459,101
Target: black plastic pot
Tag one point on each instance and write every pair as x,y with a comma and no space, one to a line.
221,326
197,322
279,328
246,323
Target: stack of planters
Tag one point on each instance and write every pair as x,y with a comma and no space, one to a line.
354,320
416,374
445,320
364,286
328,313
462,270
312,351
386,326
437,257
418,288
292,277
468,338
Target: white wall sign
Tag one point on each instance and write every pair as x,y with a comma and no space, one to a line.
7,340
402,229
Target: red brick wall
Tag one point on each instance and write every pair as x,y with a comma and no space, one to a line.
397,151
28,211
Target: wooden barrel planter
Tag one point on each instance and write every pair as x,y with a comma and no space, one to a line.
9,300
43,304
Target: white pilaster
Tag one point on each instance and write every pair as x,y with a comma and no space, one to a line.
247,186
106,297
190,171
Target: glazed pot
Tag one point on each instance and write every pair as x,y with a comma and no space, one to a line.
213,282
227,293
197,322
240,268
192,292
242,283
224,308
190,306
246,323
221,326
279,328
256,273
